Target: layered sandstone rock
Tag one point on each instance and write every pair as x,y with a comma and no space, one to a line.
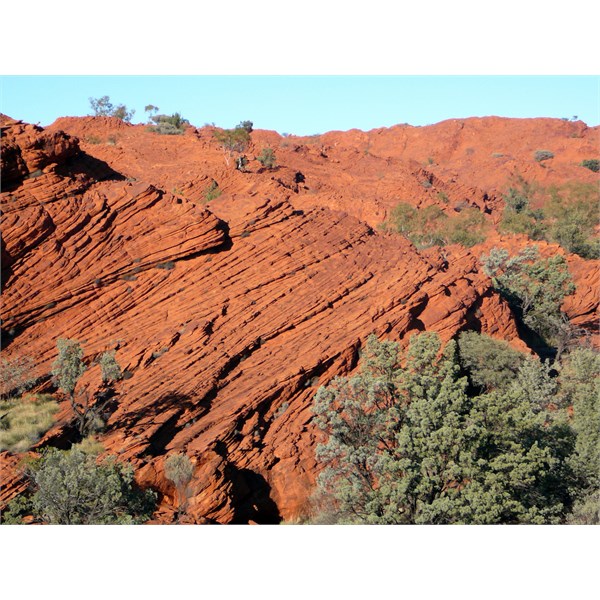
226,316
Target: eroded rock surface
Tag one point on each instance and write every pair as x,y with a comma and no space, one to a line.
226,315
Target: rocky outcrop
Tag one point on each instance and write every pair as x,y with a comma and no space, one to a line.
27,149
226,316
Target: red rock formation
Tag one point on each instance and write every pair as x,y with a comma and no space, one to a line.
227,318
34,150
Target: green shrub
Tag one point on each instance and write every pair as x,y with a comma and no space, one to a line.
569,217
593,164
168,265
491,364
93,139
173,124
420,226
586,510
23,421
467,228
74,488
212,191
179,470
267,158
535,289
241,162
407,441
109,367
530,223
573,210
541,155
518,217
430,226
580,375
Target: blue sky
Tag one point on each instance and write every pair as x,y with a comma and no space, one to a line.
305,105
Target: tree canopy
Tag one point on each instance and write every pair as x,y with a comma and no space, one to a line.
409,440
535,289
103,107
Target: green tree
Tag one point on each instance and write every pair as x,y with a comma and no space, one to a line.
110,369
357,415
247,125
103,107
69,366
407,443
74,488
241,162
232,141
580,382
67,371
535,288
121,112
151,110
491,364
519,472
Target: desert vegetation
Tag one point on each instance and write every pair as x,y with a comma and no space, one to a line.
67,371
436,434
568,217
593,164
431,226
103,107
70,486
267,158
74,487
173,124
23,420
541,155
212,191
233,142
535,289
179,471
284,280
16,376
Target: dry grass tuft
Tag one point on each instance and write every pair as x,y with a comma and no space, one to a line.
24,420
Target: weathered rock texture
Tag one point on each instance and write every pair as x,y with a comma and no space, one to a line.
227,316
